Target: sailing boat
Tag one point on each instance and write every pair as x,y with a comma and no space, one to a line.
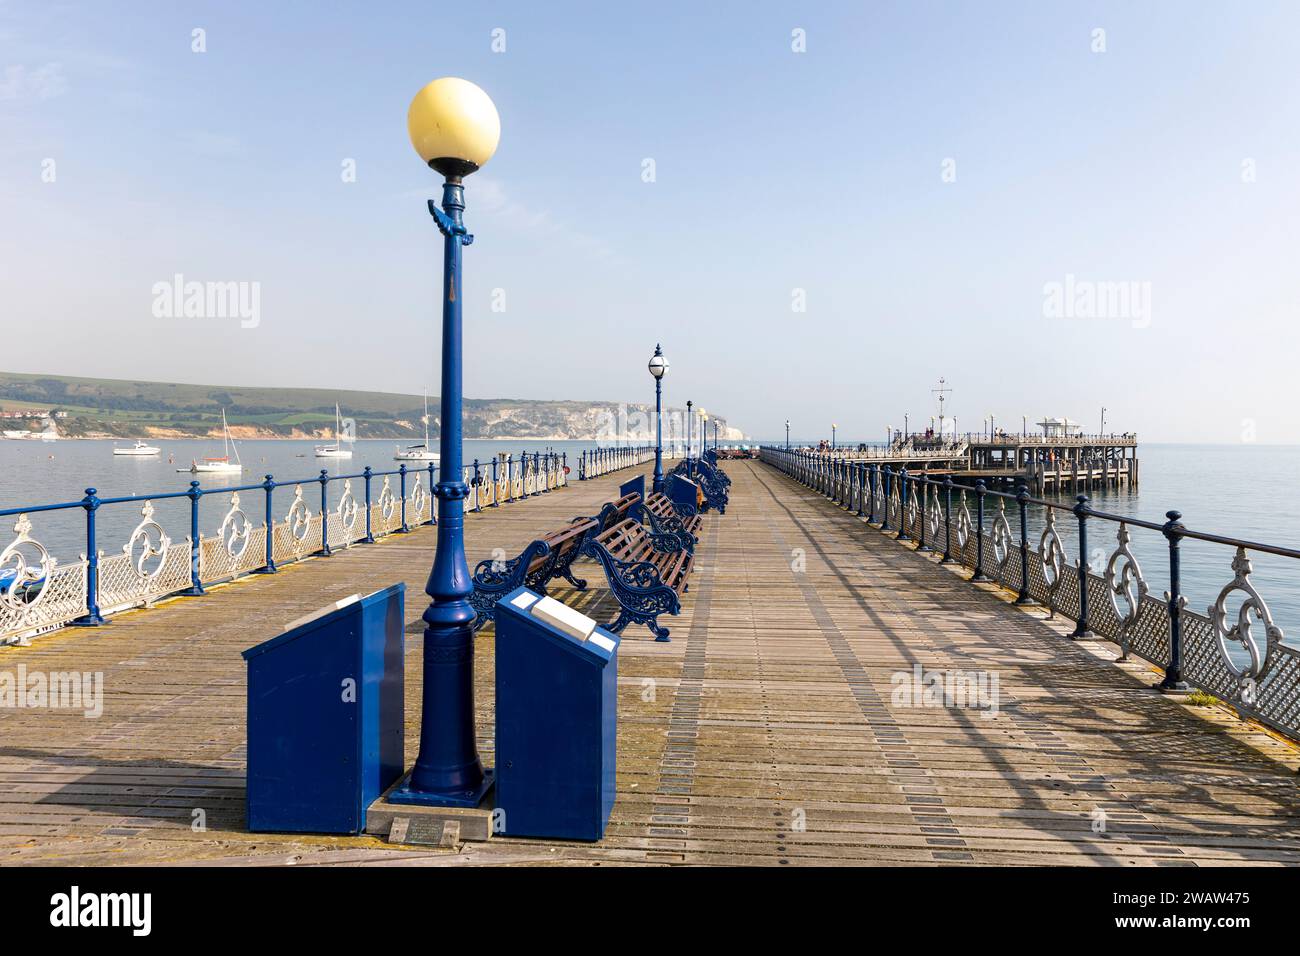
419,452
335,450
222,464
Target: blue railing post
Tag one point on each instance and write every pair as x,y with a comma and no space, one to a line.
537,472
370,534
564,463
924,484
872,478
947,520
496,484
1173,681
1081,629
477,491
979,574
324,513
1022,501
269,568
902,505
401,475
860,471
93,618
889,491
194,494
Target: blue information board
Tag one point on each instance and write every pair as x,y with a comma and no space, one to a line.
557,719
637,486
325,716
682,490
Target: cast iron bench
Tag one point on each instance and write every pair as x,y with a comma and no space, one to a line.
645,575
666,518
550,556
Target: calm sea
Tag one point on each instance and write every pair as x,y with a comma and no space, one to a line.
1237,490
34,472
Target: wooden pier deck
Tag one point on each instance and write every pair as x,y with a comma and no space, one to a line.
765,733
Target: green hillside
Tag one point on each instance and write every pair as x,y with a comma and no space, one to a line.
102,407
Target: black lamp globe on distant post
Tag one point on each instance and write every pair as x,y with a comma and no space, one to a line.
454,128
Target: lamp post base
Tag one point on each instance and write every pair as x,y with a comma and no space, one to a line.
402,793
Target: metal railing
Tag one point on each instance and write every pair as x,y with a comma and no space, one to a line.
601,461
1234,651
38,594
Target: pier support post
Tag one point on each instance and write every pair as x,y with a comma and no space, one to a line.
903,490
1173,682
1081,630
401,476
325,514
924,484
269,566
889,491
370,533
92,617
194,494
1022,502
979,574
861,471
947,521
872,478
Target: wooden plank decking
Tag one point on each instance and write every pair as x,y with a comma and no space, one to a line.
764,733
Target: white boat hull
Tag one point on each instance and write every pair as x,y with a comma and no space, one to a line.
223,468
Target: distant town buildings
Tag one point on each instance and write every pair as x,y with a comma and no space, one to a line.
20,413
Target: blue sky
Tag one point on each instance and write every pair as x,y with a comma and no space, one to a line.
775,171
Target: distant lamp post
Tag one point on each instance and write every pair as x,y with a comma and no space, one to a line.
704,432
455,128
1103,419
658,368
787,434
689,406
833,427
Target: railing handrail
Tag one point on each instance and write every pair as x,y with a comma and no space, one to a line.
26,607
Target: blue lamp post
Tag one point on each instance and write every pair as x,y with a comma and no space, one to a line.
455,128
787,434
689,406
658,367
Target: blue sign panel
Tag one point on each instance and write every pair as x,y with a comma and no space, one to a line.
325,716
557,719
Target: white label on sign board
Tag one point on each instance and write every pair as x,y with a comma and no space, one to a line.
564,618
524,600
603,642
308,618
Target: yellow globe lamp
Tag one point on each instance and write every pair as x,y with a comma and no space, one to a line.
454,126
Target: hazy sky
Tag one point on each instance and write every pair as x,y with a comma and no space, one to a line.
916,180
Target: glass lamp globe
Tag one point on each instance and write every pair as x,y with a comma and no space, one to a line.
658,364
454,126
